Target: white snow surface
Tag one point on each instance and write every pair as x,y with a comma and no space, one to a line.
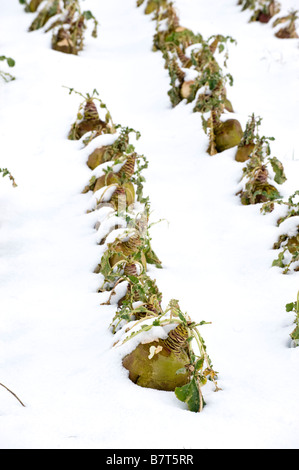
56,348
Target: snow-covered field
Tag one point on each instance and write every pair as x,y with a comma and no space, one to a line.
55,345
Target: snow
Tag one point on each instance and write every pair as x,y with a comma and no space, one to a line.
56,347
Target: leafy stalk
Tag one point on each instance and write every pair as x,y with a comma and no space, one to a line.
6,172
7,77
258,188
294,307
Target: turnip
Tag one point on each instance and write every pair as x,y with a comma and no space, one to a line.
88,119
169,363
228,134
152,365
97,157
265,11
289,32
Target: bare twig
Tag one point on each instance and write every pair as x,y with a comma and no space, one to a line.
12,394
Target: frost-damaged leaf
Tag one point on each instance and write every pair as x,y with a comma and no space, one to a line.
10,62
151,257
279,261
290,307
278,169
199,364
190,394
88,15
182,318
